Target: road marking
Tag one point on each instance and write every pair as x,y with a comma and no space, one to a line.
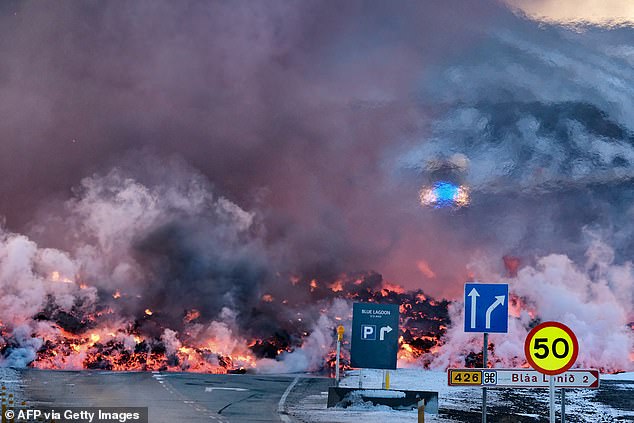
280,405
200,409
210,389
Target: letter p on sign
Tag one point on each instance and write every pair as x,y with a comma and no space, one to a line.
368,332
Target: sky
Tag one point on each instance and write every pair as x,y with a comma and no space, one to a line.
607,12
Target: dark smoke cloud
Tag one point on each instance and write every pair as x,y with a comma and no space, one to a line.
284,106
199,155
322,116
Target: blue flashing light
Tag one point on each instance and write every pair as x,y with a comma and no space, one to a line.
446,193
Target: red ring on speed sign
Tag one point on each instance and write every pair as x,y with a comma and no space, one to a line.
560,369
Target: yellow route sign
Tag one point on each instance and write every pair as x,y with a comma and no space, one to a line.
551,348
464,377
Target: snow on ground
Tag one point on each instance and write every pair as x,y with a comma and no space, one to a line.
613,403
10,381
629,376
313,409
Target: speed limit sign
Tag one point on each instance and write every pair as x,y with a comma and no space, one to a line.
551,348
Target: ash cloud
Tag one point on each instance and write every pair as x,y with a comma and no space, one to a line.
287,108
179,151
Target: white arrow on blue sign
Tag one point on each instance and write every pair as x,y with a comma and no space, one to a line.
486,307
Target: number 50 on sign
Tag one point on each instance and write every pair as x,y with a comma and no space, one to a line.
551,348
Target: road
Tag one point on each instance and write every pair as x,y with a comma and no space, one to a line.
173,397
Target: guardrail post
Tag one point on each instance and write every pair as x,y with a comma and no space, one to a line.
421,411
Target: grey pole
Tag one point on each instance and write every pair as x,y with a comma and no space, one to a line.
337,363
484,365
563,405
551,386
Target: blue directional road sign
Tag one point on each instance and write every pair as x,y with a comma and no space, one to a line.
374,335
486,307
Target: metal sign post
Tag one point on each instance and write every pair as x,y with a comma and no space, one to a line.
551,394
484,365
551,348
340,330
563,405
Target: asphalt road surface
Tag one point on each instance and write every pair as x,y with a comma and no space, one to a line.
172,397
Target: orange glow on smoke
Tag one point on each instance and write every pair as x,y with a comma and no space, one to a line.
191,315
515,306
337,286
512,265
393,287
57,277
425,269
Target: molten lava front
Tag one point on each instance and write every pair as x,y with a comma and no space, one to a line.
107,339
296,335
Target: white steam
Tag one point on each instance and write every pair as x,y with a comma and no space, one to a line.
595,300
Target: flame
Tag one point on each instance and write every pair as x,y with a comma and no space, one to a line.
336,286
149,312
393,287
191,315
267,298
57,277
515,306
116,295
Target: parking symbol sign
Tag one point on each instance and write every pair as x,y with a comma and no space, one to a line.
368,332
375,333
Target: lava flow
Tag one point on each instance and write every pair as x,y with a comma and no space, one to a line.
104,340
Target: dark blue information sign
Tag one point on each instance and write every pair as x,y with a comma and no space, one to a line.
374,335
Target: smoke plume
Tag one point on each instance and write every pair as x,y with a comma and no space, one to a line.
213,175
